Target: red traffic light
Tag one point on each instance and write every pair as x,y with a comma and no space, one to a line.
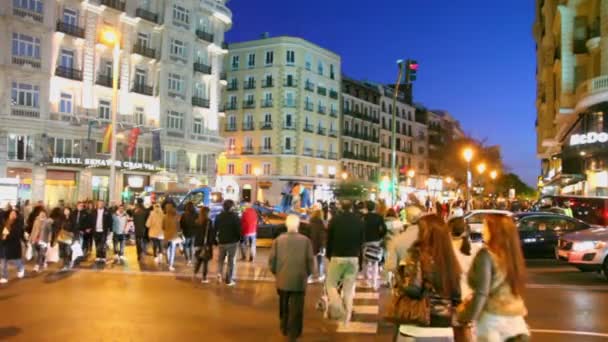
413,66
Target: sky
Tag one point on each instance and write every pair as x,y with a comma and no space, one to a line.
476,58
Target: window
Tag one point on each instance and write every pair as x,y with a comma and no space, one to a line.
26,46
235,62
178,48
198,126
308,62
247,169
24,94
249,119
266,169
266,142
143,39
65,103
139,116
104,109
320,68
30,5
288,145
305,170
331,71
290,57
268,118
231,143
320,170
169,160
176,83
290,99
175,120
251,60
181,16
288,120
20,147
140,76
269,57
331,170
66,59
248,143
64,148
232,122
70,16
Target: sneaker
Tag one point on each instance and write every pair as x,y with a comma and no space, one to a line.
205,281
45,266
219,278
3,281
21,274
171,268
156,260
321,279
64,269
122,257
189,263
36,268
231,283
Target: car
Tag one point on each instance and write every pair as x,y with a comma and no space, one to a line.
475,218
586,249
593,210
539,232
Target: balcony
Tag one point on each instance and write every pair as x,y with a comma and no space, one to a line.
265,125
223,76
248,104
289,104
25,112
265,150
307,152
231,106
146,15
333,112
248,126
25,12
309,106
332,156
309,86
267,83
289,151
22,60
144,51
321,154
290,83
589,93
115,4
247,150
321,131
333,133
333,94
289,126
249,84
202,68
142,88
267,103
230,127
206,36
308,128
232,86
322,91
68,72
105,80
321,109
200,102
70,29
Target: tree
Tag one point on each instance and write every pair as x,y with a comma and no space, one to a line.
351,190
512,181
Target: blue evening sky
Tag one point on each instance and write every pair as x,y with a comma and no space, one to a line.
476,57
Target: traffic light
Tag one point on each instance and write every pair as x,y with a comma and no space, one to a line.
411,68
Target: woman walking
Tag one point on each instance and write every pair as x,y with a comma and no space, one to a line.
318,237
170,231
40,238
497,279
187,223
119,230
204,239
62,234
11,237
155,232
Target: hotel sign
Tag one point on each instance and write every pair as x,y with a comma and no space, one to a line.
90,162
588,138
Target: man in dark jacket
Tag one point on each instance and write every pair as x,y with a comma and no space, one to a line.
228,228
292,262
375,229
345,237
101,223
80,221
140,216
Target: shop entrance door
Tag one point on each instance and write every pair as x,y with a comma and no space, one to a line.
247,195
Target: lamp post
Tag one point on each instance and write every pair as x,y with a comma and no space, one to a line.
493,174
257,172
400,65
468,156
110,37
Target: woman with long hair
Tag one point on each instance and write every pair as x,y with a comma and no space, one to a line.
12,235
440,278
187,222
318,237
40,238
204,239
155,232
497,278
171,232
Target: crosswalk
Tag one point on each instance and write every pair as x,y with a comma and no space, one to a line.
366,311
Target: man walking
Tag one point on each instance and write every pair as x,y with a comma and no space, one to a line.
80,221
345,237
249,230
292,262
101,219
140,216
375,229
229,234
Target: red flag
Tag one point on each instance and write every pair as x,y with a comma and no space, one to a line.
133,141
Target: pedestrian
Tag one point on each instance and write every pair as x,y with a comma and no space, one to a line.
375,230
80,220
119,231
171,231
33,214
140,216
187,222
399,246
27,210
291,260
40,238
229,234
12,236
249,230
318,238
345,236
101,223
433,260
204,239
89,234
65,235
497,279
155,232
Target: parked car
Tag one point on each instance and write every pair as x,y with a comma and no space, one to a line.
593,210
539,232
586,249
474,219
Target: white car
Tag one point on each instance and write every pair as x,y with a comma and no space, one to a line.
586,249
475,218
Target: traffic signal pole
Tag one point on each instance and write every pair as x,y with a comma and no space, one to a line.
400,65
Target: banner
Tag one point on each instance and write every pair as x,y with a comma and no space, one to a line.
107,140
156,149
133,141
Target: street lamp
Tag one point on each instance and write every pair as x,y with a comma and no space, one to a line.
448,180
400,65
410,175
110,38
468,156
493,174
257,172
344,175
481,168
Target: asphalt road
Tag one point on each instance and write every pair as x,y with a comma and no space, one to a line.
136,303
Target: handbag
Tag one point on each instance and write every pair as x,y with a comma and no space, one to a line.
29,251
206,251
65,237
52,253
373,252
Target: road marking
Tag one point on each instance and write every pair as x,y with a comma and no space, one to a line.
568,287
367,295
569,332
366,309
358,327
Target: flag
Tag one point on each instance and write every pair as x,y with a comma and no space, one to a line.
107,139
156,151
132,141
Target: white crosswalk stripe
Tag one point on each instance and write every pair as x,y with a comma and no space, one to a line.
366,310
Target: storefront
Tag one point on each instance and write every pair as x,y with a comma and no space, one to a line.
60,185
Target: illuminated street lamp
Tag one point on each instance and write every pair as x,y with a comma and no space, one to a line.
493,174
410,176
481,168
448,180
257,172
344,175
468,156
110,37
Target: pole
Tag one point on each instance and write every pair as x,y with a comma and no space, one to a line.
469,180
112,183
394,137
256,188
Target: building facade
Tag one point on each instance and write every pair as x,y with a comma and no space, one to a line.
282,119
56,94
360,135
572,95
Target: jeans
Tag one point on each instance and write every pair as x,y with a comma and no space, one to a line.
370,267
119,244
17,262
100,245
227,250
157,246
140,245
188,248
87,243
65,251
40,254
291,313
171,247
321,264
248,243
341,270
201,262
